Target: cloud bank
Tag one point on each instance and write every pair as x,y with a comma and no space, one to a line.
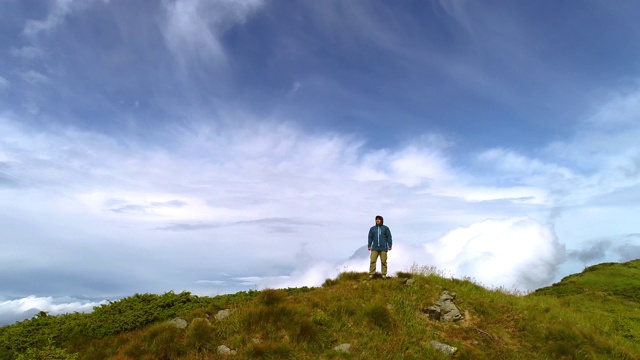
20,309
297,205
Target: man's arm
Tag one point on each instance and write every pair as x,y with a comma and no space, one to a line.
389,240
370,240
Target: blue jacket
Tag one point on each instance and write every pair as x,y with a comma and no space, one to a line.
379,238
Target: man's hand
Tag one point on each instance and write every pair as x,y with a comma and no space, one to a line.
369,249
388,249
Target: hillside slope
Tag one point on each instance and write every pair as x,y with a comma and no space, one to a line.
619,281
582,317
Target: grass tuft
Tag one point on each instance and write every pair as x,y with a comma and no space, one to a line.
200,334
271,297
309,333
379,316
350,276
163,340
329,282
270,350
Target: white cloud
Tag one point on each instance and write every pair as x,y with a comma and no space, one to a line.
313,271
517,252
520,169
27,52
195,27
513,253
60,9
14,310
604,150
619,110
295,205
33,77
413,166
520,194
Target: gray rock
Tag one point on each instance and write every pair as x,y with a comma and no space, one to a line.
224,350
343,348
447,349
409,282
433,312
179,323
445,296
444,309
223,314
449,310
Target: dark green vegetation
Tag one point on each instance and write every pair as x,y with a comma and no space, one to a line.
591,315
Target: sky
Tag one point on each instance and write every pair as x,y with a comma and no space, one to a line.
216,146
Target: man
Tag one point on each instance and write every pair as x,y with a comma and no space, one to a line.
379,243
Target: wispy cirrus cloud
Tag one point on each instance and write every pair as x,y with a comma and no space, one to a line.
34,77
28,52
194,28
58,12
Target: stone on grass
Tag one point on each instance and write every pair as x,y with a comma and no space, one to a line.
179,323
223,314
224,350
343,348
450,311
447,349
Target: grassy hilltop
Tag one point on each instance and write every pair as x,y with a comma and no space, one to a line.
591,315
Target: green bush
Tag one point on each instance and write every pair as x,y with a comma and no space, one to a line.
49,352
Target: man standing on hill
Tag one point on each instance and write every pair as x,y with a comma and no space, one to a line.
379,243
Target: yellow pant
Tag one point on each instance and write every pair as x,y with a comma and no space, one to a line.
374,260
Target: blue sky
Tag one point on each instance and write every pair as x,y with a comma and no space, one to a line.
218,146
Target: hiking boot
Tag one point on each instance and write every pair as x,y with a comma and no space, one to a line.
370,276
384,277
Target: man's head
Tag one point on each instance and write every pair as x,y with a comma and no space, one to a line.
379,220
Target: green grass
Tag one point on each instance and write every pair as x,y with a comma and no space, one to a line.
591,315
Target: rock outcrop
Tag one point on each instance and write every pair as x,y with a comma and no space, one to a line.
444,309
